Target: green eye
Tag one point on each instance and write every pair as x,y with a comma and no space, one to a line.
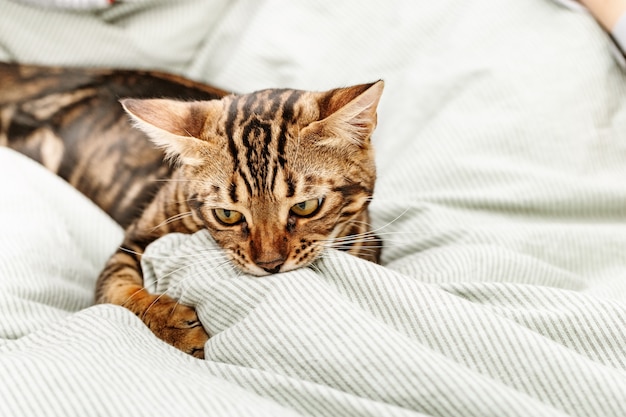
306,208
228,217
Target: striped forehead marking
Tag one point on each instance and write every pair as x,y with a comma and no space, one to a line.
257,127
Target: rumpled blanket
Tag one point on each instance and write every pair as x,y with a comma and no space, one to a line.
501,200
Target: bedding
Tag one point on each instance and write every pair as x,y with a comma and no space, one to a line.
501,200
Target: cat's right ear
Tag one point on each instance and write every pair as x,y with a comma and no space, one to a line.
347,116
174,126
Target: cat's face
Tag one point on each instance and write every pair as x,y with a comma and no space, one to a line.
275,176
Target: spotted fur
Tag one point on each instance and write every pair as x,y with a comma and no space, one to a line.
275,176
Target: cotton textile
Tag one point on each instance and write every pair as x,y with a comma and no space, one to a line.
501,200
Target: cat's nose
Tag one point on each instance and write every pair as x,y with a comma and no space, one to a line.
272,266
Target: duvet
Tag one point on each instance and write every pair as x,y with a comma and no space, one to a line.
501,200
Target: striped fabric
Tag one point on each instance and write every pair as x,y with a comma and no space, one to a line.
501,200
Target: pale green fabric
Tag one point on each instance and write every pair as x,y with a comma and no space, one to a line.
501,199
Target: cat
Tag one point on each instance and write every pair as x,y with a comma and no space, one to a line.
275,176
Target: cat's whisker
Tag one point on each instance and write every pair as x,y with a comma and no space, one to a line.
330,256
123,249
177,180
181,268
156,300
350,237
378,229
232,268
371,249
368,225
350,245
395,219
180,283
314,267
370,241
130,297
371,244
186,280
199,253
182,292
201,260
172,219
371,234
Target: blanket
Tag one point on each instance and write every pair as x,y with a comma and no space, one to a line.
501,200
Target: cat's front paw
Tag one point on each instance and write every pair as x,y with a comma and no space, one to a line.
176,324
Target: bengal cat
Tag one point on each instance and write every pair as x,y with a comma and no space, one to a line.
275,176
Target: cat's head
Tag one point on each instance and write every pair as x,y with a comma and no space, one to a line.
276,175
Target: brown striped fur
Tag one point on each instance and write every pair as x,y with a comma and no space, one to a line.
275,176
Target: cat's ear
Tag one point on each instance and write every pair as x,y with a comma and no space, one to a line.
175,126
348,115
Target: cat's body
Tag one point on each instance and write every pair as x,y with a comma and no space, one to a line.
275,176
70,120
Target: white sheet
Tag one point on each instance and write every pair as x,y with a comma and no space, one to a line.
501,198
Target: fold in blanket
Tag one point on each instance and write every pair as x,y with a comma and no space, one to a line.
501,201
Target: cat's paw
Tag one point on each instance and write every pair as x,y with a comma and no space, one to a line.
176,324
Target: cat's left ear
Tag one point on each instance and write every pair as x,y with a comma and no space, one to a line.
174,126
348,115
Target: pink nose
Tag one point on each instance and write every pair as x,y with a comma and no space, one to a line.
272,266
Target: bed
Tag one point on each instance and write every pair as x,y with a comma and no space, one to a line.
501,199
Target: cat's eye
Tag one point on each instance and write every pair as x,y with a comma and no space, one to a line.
228,217
306,208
